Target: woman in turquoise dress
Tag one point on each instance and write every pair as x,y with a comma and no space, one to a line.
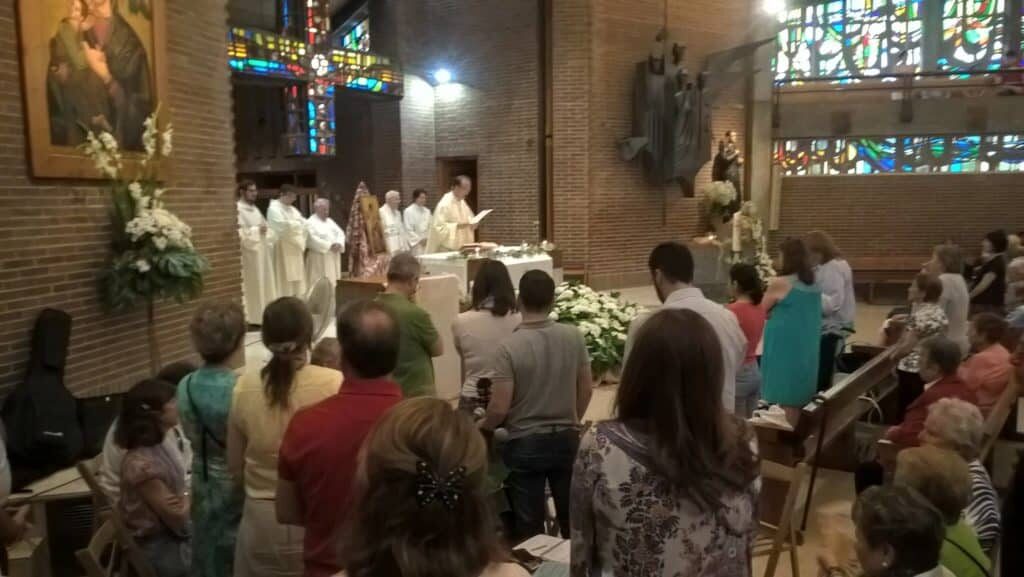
789,363
204,402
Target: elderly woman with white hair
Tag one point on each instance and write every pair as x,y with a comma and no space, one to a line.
392,224
957,426
1015,292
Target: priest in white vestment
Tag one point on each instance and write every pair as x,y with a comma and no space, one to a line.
326,242
259,286
391,222
451,227
290,228
417,222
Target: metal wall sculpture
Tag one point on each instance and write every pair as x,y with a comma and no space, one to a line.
672,110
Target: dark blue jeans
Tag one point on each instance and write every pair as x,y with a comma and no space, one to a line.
533,461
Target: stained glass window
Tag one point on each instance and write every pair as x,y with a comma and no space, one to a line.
849,38
903,154
972,34
358,36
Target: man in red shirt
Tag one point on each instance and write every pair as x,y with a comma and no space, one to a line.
940,360
319,453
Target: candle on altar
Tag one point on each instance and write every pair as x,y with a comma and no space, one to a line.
736,233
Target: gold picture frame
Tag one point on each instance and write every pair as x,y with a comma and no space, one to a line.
89,64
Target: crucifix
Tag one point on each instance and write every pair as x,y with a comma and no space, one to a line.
311,68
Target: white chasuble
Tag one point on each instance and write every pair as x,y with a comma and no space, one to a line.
445,234
290,228
321,261
259,285
394,229
417,227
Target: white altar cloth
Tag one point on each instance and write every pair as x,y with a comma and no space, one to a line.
442,263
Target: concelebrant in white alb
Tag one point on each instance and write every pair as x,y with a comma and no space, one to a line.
259,286
417,222
287,223
452,226
391,223
326,242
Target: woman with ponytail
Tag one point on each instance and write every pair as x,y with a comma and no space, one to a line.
263,404
747,292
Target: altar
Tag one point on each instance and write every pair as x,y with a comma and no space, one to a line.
464,268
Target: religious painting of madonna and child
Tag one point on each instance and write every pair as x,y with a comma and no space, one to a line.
88,65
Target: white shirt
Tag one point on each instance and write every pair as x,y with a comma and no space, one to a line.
321,261
394,229
417,225
445,234
109,473
838,302
956,303
731,337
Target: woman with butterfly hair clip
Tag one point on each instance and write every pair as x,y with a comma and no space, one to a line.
421,505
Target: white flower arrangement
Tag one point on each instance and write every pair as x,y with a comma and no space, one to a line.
602,318
752,233
720,195
153,255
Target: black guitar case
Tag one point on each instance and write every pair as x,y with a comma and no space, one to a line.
44,434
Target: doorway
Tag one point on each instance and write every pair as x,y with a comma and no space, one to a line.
449,168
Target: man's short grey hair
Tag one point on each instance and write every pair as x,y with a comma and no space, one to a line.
392,194
321,202
957,425
404,267
943,352
950,257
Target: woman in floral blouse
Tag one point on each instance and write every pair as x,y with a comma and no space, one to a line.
669,487
926,319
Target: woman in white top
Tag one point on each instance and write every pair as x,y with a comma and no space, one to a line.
838,302
947,264
479,331
417,222
421,505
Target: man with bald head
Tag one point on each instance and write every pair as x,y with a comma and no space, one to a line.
319,455
452,227
391,221
326,243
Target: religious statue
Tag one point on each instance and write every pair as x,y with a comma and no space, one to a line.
672,110
727,167
368,254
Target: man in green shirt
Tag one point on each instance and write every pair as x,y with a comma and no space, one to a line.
419,339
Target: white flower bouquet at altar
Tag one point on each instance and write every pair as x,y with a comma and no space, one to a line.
152,256
720,196
602,318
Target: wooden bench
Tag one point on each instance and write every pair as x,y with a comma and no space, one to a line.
873,271
825,423
992,427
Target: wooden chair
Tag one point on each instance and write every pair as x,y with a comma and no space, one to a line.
101,558
775,538
133,560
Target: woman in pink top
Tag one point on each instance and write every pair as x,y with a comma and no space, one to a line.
987,371
747,291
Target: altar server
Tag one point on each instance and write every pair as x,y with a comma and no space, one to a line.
287,223
326,242
417,222
391,222
259,285
451,227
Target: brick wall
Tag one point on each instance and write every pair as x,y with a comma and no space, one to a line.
491,113
900,216
54,234
625,217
